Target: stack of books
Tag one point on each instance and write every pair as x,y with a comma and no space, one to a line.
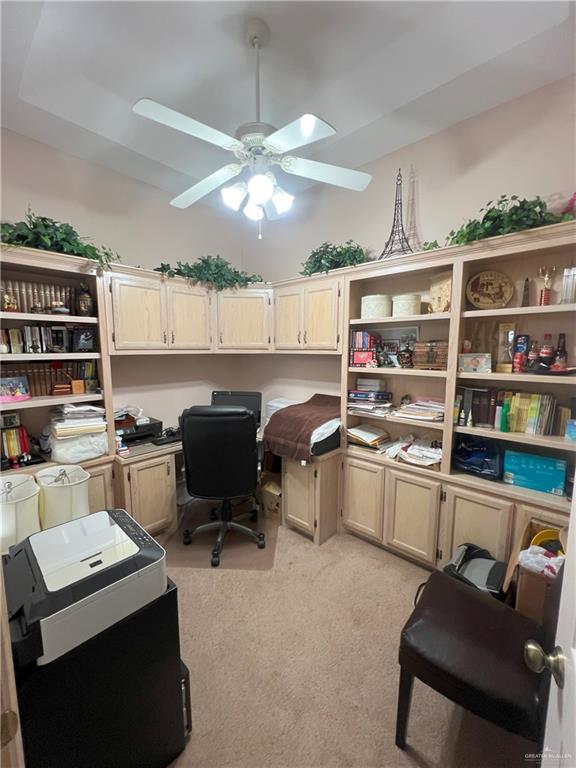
421,410
364,340
368,436
15,442
73,421
370,396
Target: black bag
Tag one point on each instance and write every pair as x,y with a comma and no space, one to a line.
478,456
476,566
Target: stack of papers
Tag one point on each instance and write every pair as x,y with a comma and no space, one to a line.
75,420
367,435
422,410
421,453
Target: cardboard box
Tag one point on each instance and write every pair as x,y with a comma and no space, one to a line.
532,588
269,495
529,470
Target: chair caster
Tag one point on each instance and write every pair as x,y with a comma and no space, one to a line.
186,538
261,543
213,514
215,561
254,516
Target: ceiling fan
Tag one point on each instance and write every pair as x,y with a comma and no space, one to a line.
259,147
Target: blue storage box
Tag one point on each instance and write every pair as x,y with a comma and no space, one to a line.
540,473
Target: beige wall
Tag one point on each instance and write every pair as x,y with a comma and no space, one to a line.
523,147
129,216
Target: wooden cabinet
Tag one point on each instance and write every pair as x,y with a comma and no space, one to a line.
100,488
311,494
321,304
288,317
527,513
188,311
244,319
476,518
412,510
138,312
149,492
363,497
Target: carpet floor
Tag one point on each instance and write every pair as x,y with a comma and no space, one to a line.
296,666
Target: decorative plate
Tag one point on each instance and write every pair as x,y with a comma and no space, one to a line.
489,290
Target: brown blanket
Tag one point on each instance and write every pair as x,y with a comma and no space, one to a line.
289,430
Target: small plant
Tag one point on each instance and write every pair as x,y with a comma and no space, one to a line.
430,245
49,235
329,256
212,271
507,214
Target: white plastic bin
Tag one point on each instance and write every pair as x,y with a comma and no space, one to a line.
18,510
63,494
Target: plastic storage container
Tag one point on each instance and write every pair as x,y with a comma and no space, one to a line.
406,304
378,305
18,510
63,494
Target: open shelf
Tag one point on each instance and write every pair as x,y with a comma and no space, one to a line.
520,378
399,372
30,357
402,320
43,402
46,318
516,492
507,311
396,420
542,441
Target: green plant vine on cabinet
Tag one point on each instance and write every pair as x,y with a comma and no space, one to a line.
329,256
211,271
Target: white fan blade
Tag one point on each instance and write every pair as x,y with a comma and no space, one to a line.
329,174
270,210
207,185
166,116
305,130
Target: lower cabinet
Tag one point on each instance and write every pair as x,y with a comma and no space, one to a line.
100,488
526,513
476,518
310,495
363,497
149,492
412,510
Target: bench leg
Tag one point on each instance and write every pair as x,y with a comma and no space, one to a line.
404,699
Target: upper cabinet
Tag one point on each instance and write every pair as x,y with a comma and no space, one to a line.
307,316
244,319
188,317
138,312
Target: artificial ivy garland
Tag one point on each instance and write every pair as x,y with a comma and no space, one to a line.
212,271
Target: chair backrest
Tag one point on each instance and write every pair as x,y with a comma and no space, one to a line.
250,400
220,451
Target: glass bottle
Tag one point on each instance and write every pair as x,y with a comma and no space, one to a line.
547,350
533,354
561,359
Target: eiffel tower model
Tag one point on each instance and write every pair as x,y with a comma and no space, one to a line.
397,244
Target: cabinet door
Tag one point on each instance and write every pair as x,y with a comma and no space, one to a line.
321,315
188,317
100,491
139,316
526,513
298,495
363,499
477,518
244,319
153,492
288,318
411,514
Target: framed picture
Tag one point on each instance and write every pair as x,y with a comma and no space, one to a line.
13,389
83,340
9,420
59,339
362,358
394,339
470,362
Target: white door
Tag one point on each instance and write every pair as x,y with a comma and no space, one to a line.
560,740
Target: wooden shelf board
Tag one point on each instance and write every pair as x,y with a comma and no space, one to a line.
548,310
401,320
542,441
396,420
29,357
43,402
399,372
521,378
45,318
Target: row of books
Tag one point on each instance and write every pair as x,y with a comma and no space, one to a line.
15,442
37,339
510,411
42,377
364,340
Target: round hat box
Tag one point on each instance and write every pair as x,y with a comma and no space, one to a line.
406,304
378,305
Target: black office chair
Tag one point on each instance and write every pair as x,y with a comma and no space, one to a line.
221,462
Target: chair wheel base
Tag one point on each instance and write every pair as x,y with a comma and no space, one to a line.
186,538
261,543
213,514
215,561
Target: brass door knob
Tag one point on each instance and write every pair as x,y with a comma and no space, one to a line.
538,661
8,727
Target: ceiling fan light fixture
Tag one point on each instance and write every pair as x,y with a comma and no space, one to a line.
253,211
260,188
234,196
282,200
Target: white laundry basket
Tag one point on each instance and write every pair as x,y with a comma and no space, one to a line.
18,510
63,494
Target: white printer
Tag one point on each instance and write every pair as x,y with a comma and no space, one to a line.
66,584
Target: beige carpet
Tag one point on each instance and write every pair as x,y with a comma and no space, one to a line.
295,667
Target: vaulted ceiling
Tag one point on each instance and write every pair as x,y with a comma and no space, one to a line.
385,74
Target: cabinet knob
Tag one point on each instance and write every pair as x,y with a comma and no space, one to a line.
305,337
299,336
172,336
220,338
164,337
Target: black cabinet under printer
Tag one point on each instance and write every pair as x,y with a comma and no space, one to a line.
119,699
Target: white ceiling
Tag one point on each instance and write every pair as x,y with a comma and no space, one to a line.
385,74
